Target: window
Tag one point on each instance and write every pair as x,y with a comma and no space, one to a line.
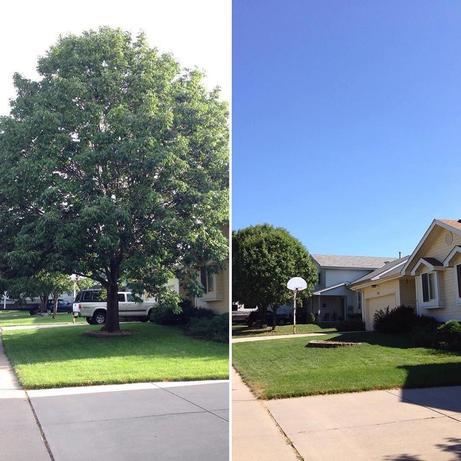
121,297
319,279
130,298
427,280
458,273
207,279
210,281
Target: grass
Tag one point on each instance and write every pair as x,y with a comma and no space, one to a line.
59,357
10,318
285,368
243,330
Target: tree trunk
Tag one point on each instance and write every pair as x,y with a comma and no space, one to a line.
262,317
274,318
112,315
55,305
44,303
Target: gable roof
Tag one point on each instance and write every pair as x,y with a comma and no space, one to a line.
351,262
389,270
453,225
456,224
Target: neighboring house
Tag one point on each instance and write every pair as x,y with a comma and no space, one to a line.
429,279
436,266
384,287
216,290
332,298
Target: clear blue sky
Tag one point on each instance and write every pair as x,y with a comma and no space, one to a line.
347,120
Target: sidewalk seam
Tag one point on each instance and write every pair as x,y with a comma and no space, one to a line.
42,434
195,404
40,428
277,425
287,439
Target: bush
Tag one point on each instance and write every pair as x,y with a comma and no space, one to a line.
215,328
449,335
424,334
398,320
187,311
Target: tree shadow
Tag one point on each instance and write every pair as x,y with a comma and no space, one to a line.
429,379
452,445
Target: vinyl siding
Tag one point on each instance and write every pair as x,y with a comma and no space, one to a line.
435,246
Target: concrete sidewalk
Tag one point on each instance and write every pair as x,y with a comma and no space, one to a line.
255,435
401,424
20,436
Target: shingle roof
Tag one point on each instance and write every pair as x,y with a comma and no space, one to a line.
388,270
353,262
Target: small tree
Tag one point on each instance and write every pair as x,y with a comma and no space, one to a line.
264,258
117,165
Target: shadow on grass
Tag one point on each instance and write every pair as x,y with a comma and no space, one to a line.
244,331
69,344
401,341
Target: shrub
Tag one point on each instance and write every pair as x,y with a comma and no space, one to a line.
215,328
424,334
398,320
187,311
449,335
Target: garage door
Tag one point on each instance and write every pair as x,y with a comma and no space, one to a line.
376,304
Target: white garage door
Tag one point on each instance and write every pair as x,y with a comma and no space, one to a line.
376,304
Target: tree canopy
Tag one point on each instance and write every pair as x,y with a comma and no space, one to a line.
264,258
117,167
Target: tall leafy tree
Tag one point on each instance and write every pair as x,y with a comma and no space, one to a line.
117,165
264,258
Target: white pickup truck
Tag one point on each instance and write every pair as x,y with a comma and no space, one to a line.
89,304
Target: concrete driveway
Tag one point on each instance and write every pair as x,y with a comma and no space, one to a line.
400,425
164,421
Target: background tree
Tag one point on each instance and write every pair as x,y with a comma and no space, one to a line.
117,167
264,258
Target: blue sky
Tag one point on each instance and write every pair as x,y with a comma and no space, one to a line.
347,120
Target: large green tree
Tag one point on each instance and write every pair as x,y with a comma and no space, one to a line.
116,167
264,258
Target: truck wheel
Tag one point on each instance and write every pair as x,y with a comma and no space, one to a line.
99,318
90,320
150,315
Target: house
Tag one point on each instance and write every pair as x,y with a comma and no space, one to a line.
429,279
436,266
216,290
332,298
384,287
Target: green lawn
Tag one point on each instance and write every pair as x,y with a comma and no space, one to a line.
286,368
17,318
243,330
59,357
